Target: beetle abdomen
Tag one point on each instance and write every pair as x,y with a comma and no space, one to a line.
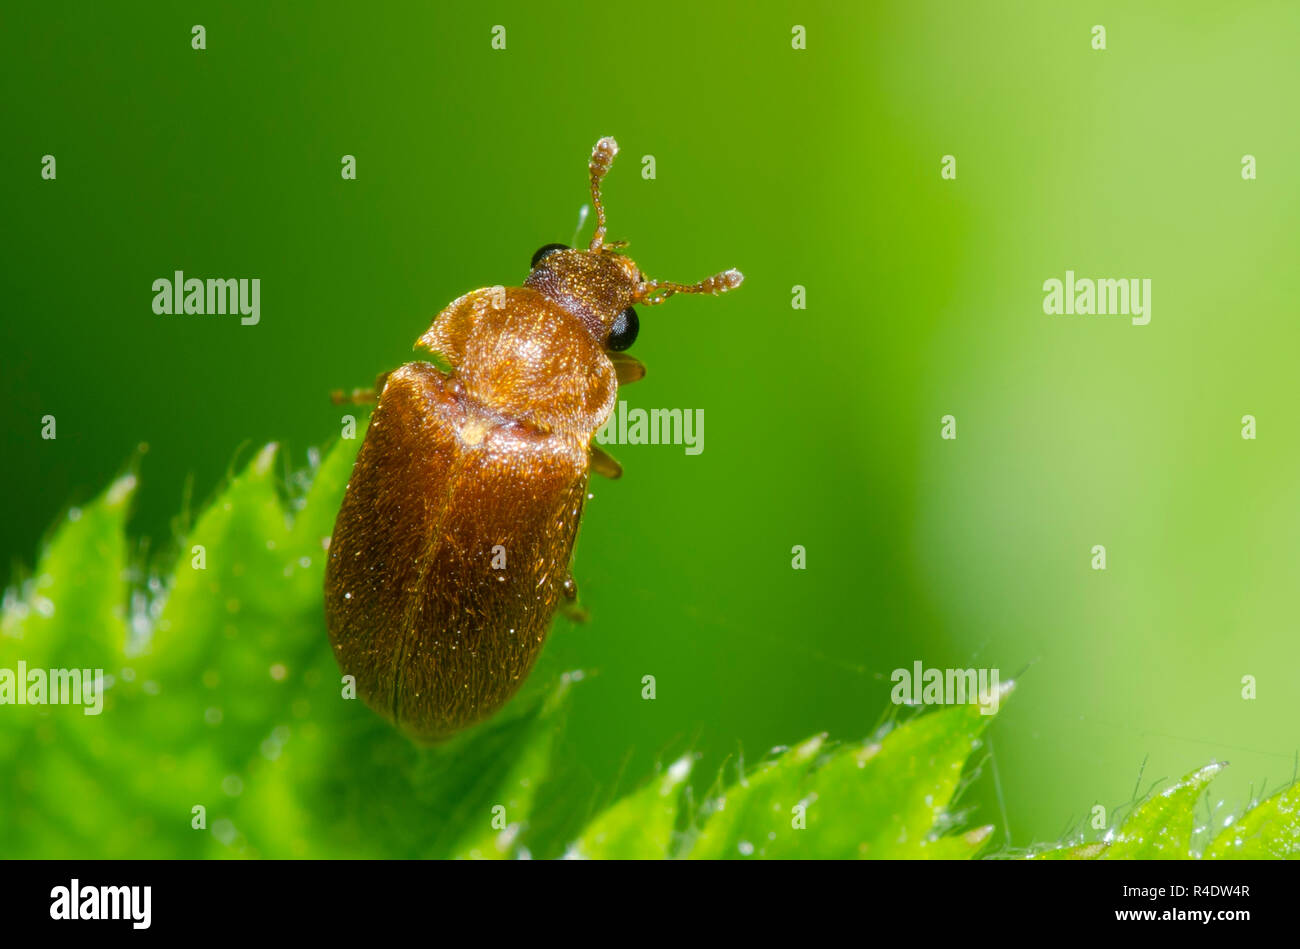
450,553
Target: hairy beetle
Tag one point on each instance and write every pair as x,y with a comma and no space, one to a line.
452,549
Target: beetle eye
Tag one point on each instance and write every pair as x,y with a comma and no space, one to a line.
547,249
624,332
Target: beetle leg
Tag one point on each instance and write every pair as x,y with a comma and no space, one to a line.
360,396
574,613
570,608
355,397
627,368
604,464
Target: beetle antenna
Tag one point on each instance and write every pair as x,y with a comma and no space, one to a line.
654,292
602,156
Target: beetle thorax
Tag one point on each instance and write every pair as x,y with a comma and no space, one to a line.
595,286
524,357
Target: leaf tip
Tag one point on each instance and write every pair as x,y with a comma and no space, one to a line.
265,459
120,491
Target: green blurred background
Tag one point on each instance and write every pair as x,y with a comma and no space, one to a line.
818,168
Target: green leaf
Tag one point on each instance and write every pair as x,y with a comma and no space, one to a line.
69,614
641,825
224,702
738,822
79,584
885,798
498,818
1161,827
1270,829
224,730
962,846
898,790
1078,852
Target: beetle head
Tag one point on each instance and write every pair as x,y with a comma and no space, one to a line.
600,285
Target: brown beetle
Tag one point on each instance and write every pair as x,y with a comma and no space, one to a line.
452,549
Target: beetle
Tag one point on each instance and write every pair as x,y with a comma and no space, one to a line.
452,549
